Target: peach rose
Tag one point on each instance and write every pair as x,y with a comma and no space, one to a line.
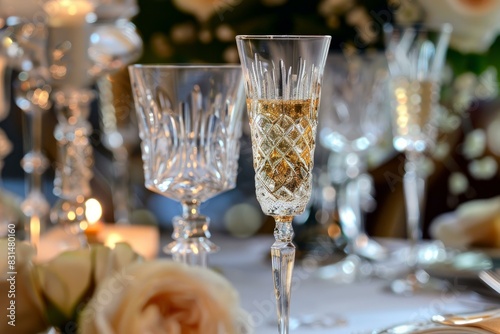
23,297
162,296
476,23
474,7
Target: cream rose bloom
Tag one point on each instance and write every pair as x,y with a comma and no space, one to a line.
68,278
203,9
473,223
162,296
476,23
28,301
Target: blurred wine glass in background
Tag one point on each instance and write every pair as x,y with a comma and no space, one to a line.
354,118
415,57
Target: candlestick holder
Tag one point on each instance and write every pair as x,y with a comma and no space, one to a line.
76,61
68,40
25,39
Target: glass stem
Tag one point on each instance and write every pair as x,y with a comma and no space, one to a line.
121,186
349,208
349,201
283,258
413,185
191,235
34,164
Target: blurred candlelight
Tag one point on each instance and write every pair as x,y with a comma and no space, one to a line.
112,239
68,41
35,232
93,212
68,12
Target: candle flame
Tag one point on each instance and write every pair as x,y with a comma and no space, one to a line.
112,239
93,210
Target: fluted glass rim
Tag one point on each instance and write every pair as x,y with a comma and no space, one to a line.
199,66
442,27
282,37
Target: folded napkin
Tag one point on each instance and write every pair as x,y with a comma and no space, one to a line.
474,223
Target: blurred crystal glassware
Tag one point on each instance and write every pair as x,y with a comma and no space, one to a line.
354,117
120,135
80,51
5,144
283,85
190,124
5,75
24,40
68,31
115,43
415,57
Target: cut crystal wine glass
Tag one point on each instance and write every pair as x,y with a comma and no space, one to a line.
415,57
354,118
283,84
190,125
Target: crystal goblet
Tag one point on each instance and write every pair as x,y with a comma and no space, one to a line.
190,125
415,57
354,118
283,85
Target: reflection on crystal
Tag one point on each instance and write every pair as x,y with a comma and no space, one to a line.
193,118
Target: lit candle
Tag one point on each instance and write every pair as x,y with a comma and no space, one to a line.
68,42
93,212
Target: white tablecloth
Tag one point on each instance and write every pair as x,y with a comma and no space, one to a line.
362,306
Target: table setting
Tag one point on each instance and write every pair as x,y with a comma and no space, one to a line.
180,170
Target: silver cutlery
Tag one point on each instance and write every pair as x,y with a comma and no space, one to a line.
490,278
464,319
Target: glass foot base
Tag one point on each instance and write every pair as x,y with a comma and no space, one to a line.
351,269
418,282
316,321
191,251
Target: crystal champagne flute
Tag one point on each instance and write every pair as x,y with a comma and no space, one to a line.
415,57
190,125
283,84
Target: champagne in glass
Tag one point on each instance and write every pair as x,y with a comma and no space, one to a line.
283,85
283,184
414,121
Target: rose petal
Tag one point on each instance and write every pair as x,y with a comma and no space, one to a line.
163,297
65,279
